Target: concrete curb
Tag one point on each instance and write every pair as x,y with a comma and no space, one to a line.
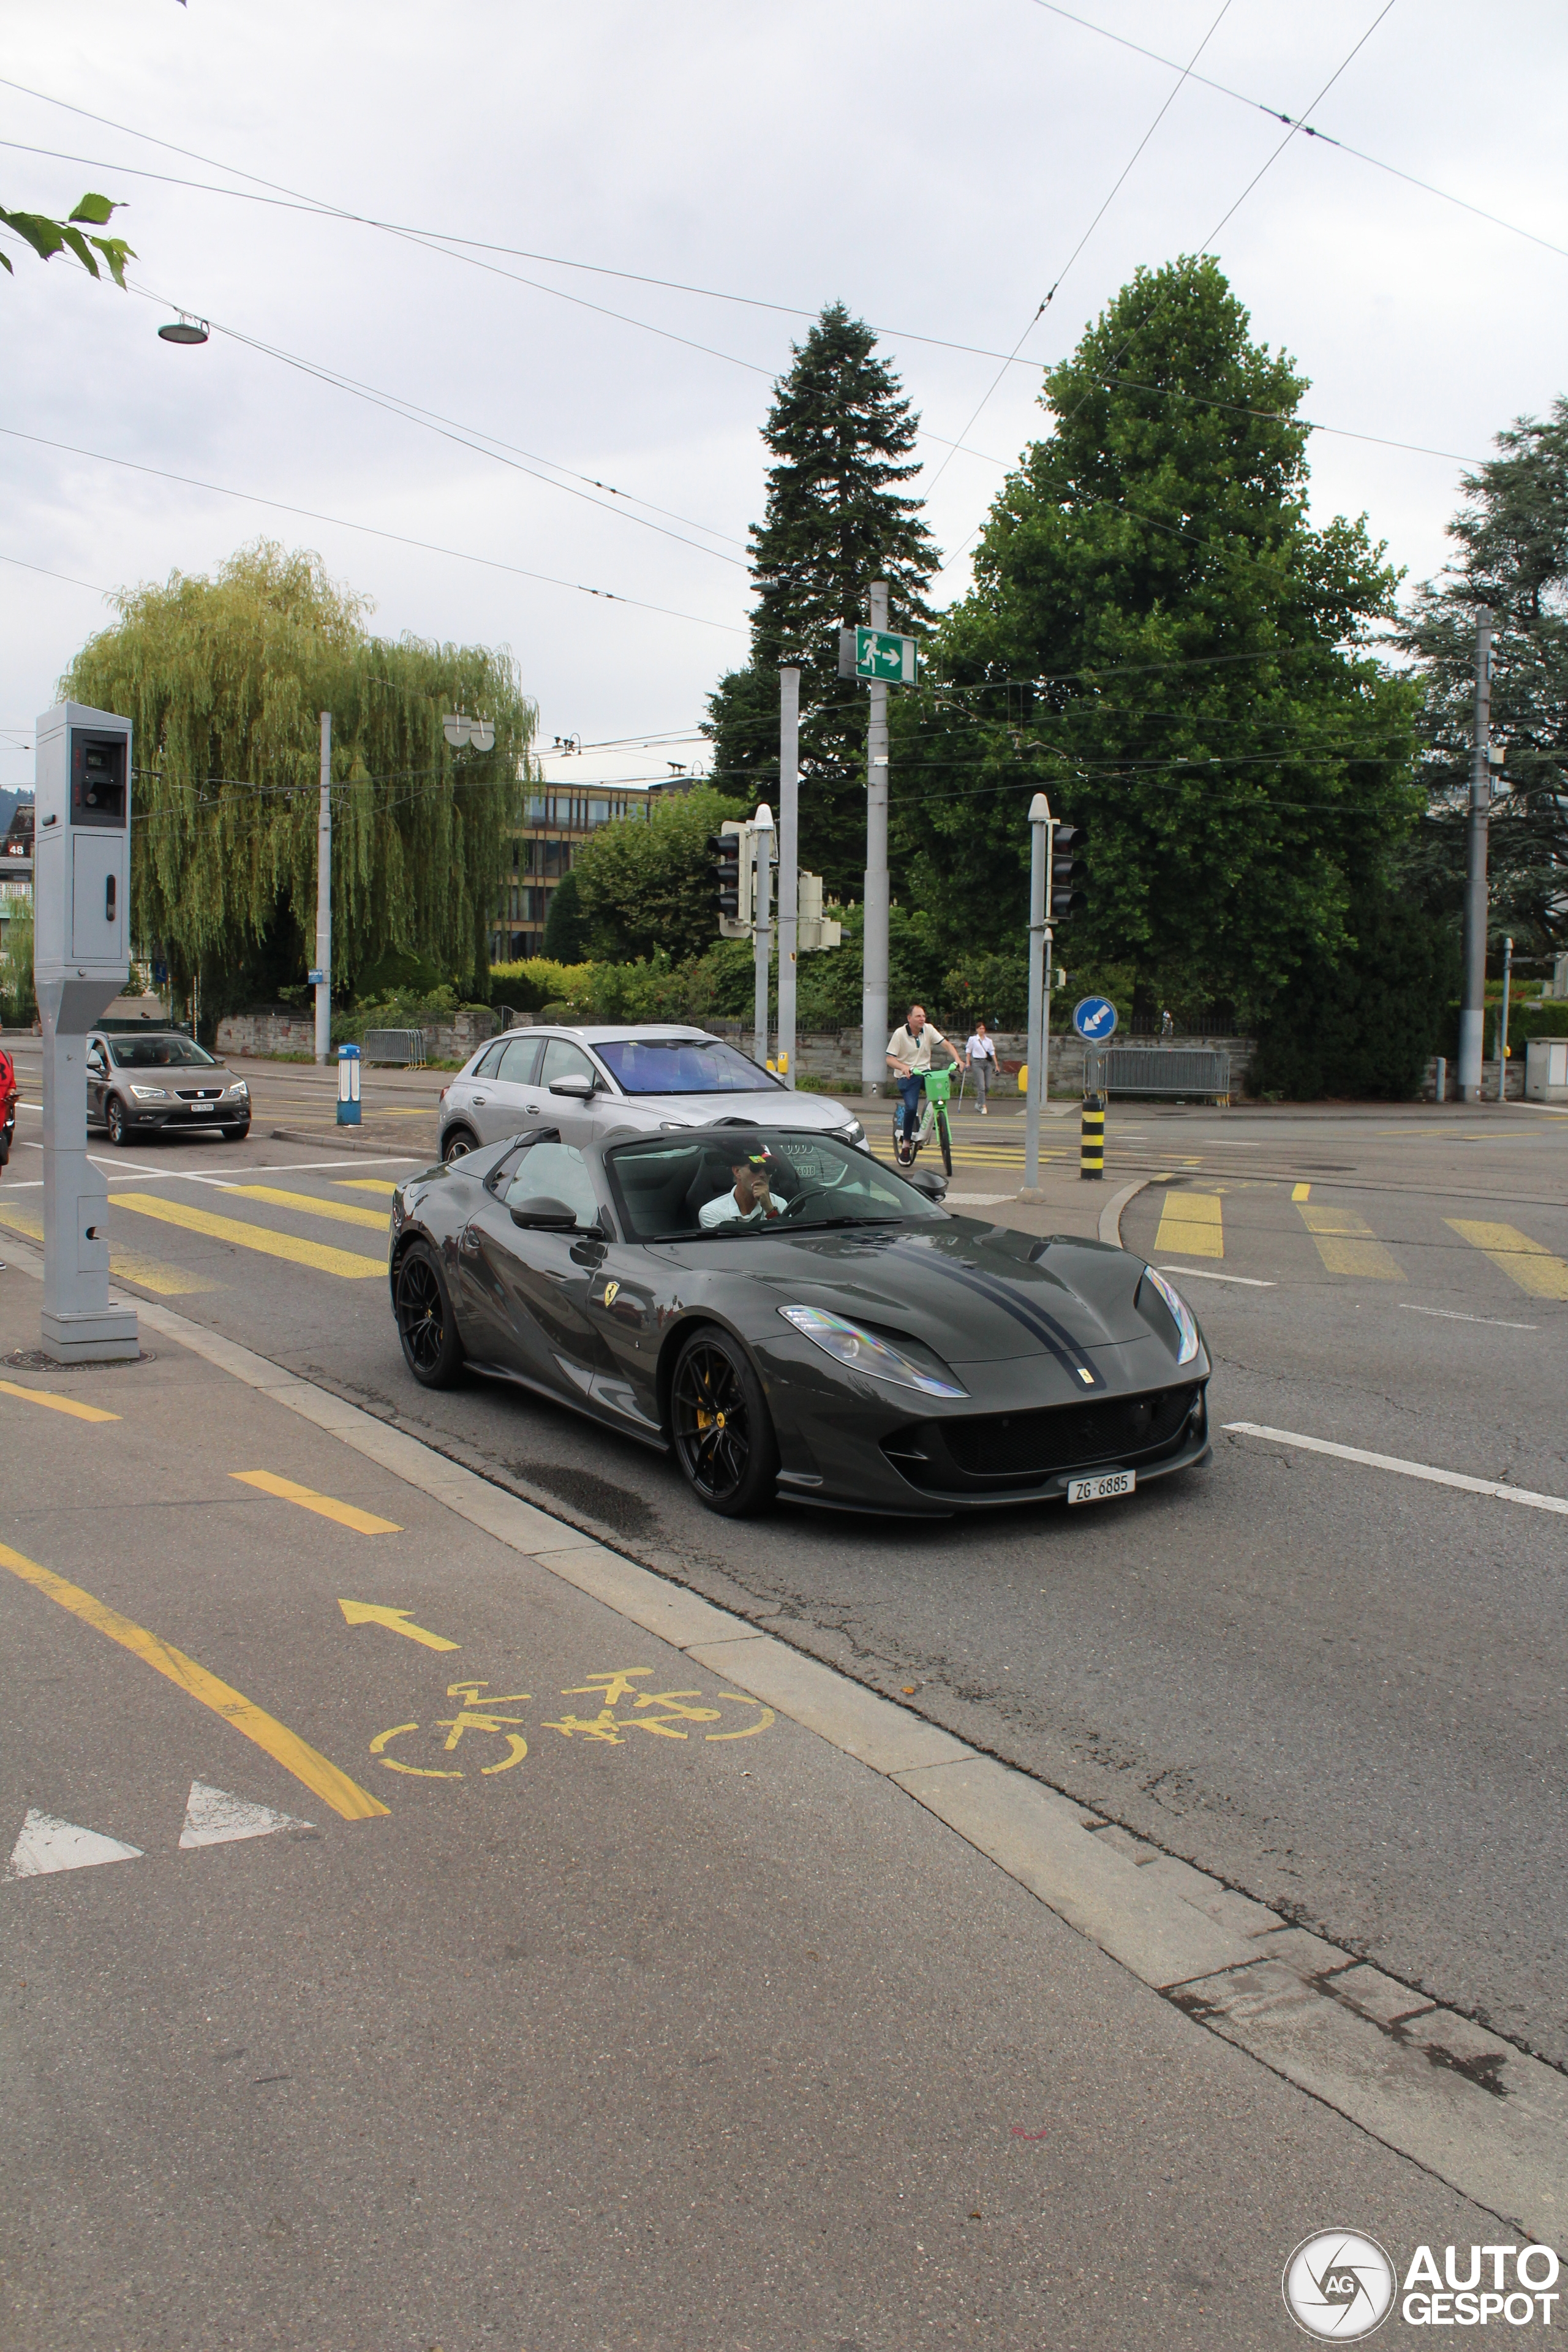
1110,1216
1468,2107
346,1138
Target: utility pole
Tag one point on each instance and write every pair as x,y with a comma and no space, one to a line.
324,898
762,844
789,863
874,968
1472,1010
1040,825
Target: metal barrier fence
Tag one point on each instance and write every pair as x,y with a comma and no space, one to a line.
1186,1071
404,1047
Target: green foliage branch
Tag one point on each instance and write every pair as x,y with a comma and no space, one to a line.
49,237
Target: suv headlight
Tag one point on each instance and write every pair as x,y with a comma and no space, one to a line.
1182,1315
150,1094
908,1366
853,1133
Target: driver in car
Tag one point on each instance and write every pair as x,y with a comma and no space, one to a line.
751,1201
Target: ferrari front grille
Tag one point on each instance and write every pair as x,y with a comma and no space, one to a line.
1000,1449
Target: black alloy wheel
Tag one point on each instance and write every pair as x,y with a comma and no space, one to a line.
456,1144
425,1325
723,1433
115,1121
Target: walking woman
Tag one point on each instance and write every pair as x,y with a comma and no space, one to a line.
980,1056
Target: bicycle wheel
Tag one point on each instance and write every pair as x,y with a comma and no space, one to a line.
945,1137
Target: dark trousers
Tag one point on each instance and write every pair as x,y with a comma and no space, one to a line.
913,1091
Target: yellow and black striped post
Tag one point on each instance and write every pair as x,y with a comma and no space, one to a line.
1092,1143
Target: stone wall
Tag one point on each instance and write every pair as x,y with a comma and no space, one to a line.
283,1032
835,1059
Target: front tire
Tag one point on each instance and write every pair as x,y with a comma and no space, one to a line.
115,1121
456,1144
945,1137
723,1430
237,1134
426,1327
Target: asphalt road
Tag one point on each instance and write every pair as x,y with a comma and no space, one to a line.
1339,1688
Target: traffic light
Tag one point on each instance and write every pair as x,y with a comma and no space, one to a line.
1067,846
730,849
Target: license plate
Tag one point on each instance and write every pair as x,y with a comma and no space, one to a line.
199,1108
1101,1489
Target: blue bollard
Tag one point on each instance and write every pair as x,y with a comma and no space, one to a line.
348,1085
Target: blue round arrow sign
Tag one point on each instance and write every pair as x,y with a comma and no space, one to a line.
1094,1018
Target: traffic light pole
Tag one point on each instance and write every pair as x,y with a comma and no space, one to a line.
761,849
1041,826
874,965
1472,1005
789,863
324,897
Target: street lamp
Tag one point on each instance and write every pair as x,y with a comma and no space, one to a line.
184,330
460,731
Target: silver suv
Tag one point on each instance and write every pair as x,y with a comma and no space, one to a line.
592,1083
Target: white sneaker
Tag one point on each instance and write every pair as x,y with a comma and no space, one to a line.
984,1112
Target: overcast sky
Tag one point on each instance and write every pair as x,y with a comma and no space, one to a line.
934,165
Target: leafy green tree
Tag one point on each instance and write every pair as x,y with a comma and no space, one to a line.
1513,536
1159,639
1366,1022
566,929
840,432
47,236
646,885
224,681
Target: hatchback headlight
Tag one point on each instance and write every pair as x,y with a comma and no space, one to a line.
240,1087
867,1351
1182,1315
150,1094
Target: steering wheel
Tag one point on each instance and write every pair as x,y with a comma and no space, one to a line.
807,1192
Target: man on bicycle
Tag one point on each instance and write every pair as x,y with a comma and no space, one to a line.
909,1057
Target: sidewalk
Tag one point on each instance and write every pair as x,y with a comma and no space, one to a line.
652,2010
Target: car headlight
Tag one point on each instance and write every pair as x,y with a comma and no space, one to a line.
150,1094
853,1133
866,1351
1181,1313
240,1087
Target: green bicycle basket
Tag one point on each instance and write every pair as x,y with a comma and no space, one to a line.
939,1084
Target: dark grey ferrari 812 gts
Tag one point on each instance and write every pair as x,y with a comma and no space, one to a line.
791,1318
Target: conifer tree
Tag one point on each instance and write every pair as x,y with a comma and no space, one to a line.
837,518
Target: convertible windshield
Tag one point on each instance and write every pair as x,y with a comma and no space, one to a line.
737,1182
173,1053
682,1066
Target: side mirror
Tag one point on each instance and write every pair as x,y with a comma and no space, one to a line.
543,1215
577,1087
928,1181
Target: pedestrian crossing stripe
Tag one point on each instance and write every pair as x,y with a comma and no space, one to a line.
1347,1244
349,1263
345,1213
125,1265
1527,1262
1191,1225
366,1183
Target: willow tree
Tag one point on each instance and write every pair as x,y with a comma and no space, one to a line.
224,681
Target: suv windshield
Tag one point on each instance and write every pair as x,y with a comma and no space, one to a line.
682,1066
751,1180
173,1053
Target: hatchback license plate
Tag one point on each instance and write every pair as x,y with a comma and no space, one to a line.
1101,1489
199,1108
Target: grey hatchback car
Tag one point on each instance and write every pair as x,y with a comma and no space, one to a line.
140,1079
592,1082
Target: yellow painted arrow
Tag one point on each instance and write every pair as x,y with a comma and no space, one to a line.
375,1612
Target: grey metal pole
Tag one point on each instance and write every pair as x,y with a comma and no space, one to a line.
1472,1014
1040,851
789,862
1502,1034
324,897
763,932
874,967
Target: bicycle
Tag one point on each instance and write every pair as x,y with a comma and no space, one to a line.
934,1120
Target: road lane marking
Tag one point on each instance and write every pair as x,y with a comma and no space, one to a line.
1451,1315
1347,1244
347,1264
215,1817
47,1844
57,1403
1190,1224
125,1265
1300,1192
345,1213
318,1774
366,1183
1529,1263
1494,1486
375,1612
1207,1273
326,1506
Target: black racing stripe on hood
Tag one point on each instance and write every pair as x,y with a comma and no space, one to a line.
1040,1326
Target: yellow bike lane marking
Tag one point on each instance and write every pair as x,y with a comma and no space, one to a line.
326,1506
57,1403
348,1264
316,1771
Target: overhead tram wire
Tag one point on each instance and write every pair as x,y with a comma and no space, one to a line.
1078,248
371,531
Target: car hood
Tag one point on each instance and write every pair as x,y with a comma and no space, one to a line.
812,1113
974,1293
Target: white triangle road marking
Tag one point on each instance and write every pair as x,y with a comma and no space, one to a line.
214,1817
48,1844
